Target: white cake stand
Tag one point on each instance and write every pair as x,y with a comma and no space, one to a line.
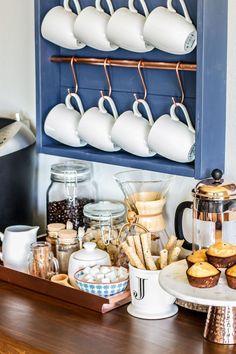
221,318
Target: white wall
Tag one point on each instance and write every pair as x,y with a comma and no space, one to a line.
17,93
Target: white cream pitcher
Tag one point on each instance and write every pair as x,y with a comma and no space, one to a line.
16,242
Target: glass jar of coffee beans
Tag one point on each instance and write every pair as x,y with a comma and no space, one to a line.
70,190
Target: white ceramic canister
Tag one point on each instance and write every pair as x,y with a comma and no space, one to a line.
87,257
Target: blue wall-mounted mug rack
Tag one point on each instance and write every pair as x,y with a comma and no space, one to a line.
205,89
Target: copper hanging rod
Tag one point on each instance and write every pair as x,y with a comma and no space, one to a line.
126,63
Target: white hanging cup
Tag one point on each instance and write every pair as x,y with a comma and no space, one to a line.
169,31
58,26
90,27
96,124
62,122
171,138
125,28
131,130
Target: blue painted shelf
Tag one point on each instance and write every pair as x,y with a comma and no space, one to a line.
205,90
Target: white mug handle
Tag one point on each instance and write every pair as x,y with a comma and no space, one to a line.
111,103
184,7
185,112
67,7
147,109
78,101
133,9
100,9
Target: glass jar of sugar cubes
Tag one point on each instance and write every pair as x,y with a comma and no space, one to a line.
103,222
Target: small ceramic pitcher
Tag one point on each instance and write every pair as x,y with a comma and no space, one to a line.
16,242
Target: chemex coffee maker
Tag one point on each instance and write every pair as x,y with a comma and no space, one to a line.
214,213
145,197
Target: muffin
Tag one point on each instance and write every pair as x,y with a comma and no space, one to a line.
197,256
221,255
203,275
230,274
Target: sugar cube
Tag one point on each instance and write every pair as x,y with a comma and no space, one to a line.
86,270
105,270
94,271
99,276
106,280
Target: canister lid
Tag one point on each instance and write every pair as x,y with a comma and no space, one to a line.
70,171
56,227
215,188
90,253
104,210
67,234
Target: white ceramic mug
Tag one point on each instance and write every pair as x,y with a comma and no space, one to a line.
171,138
148,299
169,31
58,26
96,124
16,242
125,28
62,122
131,130
90,27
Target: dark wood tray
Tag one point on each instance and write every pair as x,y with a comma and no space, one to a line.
73,296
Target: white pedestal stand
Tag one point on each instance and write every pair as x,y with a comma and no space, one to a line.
221,319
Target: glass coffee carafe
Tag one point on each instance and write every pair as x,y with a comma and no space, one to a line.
214,213
145,197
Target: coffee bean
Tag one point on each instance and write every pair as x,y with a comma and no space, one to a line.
64,210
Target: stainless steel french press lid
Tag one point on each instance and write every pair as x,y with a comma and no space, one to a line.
215,188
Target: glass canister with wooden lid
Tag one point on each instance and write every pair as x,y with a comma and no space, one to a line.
67,243
52,234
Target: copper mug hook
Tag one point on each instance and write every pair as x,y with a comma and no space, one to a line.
74,76
180,84
142,80
108,78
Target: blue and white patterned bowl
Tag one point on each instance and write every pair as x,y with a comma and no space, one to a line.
100,289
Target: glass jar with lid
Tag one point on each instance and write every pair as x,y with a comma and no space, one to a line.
103,222
70,190
67,243
52,234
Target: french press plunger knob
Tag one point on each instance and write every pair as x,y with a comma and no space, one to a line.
217,174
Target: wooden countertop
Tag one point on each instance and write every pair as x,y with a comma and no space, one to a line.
33,323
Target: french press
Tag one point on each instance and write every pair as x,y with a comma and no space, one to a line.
214,213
